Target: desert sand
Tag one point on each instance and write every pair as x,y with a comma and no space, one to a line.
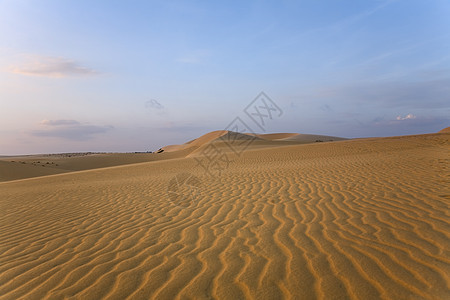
290,217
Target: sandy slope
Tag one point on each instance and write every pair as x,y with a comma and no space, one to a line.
195,143
445,130
28,166
362,219
18,170
20,167
270,139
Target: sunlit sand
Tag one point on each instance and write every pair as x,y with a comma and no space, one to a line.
293,216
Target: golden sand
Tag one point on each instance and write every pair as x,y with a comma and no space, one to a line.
360,219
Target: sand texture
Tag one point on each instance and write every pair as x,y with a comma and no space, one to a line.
20,167
358,219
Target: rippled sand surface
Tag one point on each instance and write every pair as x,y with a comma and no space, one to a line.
361,219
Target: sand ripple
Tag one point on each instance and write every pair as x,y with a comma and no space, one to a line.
364,219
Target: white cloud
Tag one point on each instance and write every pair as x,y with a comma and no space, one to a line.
407,117
59,122
56,67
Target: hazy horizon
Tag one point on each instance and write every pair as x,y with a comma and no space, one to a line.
79,76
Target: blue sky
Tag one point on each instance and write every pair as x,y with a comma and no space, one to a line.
137,75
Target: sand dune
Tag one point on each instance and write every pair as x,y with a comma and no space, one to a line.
206,138
311,138
276,136
299,137
223,138
358,219
28,166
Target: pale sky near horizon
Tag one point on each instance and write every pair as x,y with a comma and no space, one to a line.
137,75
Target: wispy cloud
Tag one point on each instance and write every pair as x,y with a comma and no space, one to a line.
410,121
334,27
69,129
47,66
407,48
59,122
407,117
152,103
362,15
155,106
390,126
326,107
402,93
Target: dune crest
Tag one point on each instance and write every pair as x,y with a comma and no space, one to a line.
222,137
208,137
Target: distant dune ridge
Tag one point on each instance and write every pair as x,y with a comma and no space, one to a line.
21,167
294,216
261,140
